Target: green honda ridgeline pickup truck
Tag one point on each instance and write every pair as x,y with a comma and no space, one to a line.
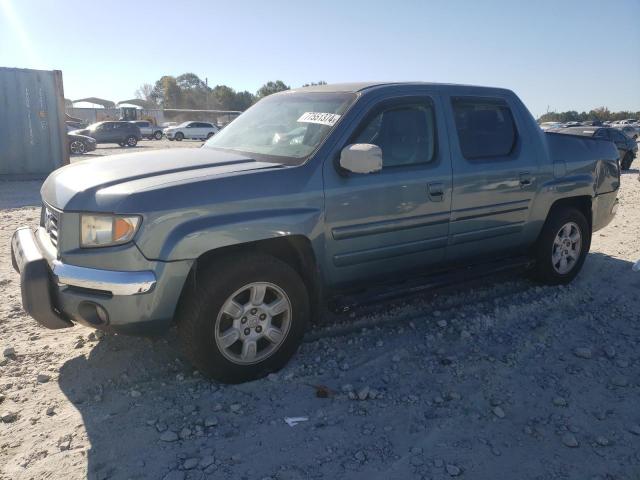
309,193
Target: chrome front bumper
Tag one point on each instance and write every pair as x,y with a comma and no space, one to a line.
114,282
40,273
25,248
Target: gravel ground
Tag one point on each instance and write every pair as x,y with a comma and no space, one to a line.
492,380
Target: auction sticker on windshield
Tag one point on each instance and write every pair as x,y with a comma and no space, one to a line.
319,117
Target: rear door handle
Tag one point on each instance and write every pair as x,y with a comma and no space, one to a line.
436,191
525,179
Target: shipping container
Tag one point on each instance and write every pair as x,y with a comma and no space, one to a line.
33,137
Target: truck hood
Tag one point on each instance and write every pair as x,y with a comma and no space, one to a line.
91,185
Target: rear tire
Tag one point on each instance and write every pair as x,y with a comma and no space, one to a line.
562,246
179,136
253,340
158,135
625,164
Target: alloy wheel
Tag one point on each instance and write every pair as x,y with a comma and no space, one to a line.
566,248
253,323
77,147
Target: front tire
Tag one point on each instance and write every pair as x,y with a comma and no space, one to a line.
131,141
562,246
209,135
158,135
77,147
179,136
244,317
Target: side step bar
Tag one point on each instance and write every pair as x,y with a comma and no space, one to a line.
387,292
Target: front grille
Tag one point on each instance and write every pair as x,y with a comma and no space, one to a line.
50,220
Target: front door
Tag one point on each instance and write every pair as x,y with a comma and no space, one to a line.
102,131
388,223
494,178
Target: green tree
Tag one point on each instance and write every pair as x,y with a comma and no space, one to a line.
190,92
244,100
272,87
601,113
167,93
190,81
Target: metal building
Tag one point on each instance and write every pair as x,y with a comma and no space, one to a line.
33,137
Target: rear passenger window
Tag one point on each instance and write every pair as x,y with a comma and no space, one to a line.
405,134
485,127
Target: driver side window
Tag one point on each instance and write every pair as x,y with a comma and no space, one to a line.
404,133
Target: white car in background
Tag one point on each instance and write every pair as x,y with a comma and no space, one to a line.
148,129
550,125
192,130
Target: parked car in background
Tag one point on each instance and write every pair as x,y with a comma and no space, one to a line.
125,134
627,147
592,123
308,195
550,125
79,144
191,130
72,125
148,129
630,131
628,121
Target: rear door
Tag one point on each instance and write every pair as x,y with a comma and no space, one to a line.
192,130
119,132
396,220
494,177
202,130
145,127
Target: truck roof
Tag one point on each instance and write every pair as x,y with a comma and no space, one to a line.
354,87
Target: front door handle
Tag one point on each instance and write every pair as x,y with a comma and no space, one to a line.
436,191
525,179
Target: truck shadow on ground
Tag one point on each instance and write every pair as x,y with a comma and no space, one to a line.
145,411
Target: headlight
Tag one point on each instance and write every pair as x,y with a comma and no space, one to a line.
106,230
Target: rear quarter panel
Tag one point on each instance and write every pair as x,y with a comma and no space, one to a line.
583,167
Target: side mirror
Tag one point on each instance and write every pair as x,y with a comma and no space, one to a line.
361,158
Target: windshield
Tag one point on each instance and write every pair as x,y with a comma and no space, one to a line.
93,126
285,126
183,124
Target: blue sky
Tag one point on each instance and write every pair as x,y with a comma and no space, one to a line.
557,54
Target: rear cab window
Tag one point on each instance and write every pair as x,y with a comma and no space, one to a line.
485,127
